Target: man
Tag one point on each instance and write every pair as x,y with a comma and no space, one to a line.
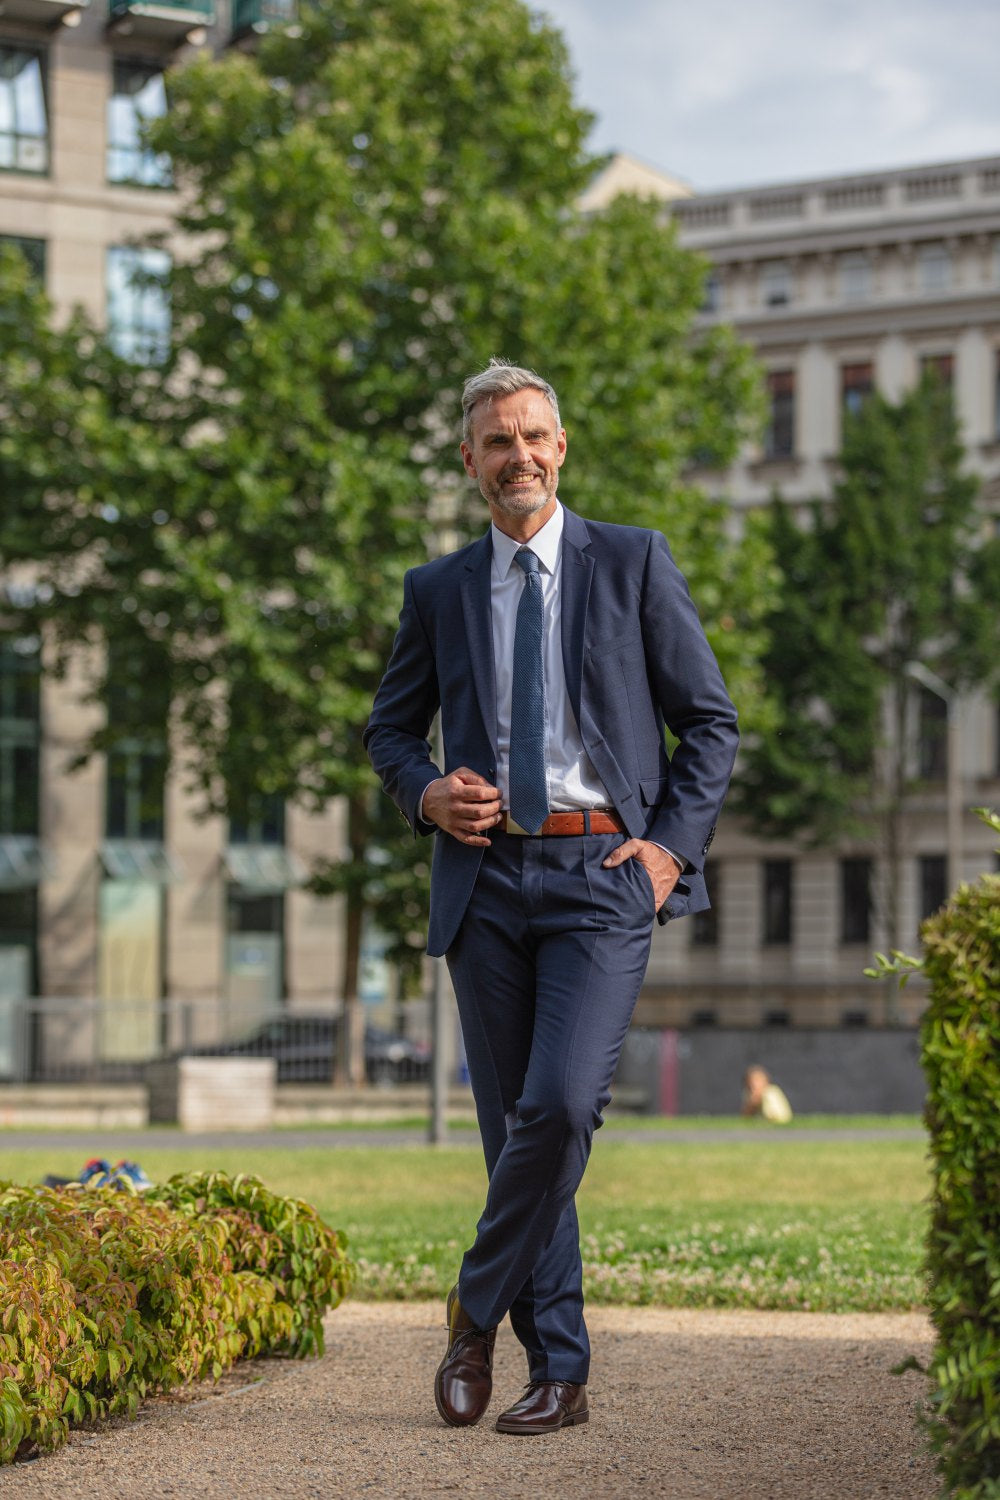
557,649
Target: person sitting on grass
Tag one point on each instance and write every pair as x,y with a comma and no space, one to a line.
764,1098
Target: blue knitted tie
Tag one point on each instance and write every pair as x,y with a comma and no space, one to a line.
529,800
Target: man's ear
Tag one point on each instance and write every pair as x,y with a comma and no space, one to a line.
469,461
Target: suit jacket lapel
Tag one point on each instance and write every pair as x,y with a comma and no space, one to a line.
577,572
476,607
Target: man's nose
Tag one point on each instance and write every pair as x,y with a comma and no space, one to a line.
520,452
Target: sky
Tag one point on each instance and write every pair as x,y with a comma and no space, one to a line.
735,93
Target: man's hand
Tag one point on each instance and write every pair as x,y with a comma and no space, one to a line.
464,804
663,871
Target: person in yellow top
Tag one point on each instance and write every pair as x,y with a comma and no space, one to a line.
764,1098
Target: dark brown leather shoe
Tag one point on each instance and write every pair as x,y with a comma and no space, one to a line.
464,1380
546,1406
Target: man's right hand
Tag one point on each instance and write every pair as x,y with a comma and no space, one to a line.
464,804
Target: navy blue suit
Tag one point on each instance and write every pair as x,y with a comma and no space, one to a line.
546,948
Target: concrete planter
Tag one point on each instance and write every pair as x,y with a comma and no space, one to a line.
213,1093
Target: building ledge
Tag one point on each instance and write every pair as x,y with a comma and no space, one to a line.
46,13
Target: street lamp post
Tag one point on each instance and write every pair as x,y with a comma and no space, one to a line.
443,512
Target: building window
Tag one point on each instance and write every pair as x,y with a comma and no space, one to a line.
940,366
932,736
705,924
776,284
255,952
779,439
33,252
711,300
855,900
20,733
856,384
778,901
18,963
138,304
855,277
933,884
935,269
996,396
138,95
260,821
24,125
136,745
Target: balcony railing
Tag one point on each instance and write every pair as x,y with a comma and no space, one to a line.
252,17
163,22
47,13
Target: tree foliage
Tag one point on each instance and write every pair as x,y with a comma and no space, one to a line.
369,208
901,566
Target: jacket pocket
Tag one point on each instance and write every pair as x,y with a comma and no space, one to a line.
653,789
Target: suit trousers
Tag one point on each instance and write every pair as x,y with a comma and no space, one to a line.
547,967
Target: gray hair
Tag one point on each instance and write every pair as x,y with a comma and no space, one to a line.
501,378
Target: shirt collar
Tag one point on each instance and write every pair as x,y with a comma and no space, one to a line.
544,544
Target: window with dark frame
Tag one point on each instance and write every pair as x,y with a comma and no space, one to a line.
138,704
779,438
941,366
33,251
933,870
705,924
856,385
138,95
20,737
932,736
855,899
777,901
261,820
138,307
24,124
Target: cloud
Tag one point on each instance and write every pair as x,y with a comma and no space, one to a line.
724,93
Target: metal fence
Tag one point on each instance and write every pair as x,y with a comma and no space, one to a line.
83,1040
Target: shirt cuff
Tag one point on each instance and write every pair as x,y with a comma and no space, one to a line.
680,863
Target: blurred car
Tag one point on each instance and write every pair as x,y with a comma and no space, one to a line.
304,1048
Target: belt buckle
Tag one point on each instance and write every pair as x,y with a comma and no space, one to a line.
515,827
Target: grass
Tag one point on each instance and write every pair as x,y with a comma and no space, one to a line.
783,1222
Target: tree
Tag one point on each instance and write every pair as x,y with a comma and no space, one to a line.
370,209
901,566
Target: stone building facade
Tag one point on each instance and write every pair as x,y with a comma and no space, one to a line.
840,284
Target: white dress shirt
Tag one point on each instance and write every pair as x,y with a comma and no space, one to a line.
571,779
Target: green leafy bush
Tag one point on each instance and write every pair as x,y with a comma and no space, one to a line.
961,1057
106,1298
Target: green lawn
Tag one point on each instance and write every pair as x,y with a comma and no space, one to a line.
773,1222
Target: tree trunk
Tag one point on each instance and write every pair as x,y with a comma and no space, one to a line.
349,1061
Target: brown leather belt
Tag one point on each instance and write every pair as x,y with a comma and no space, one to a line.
567,823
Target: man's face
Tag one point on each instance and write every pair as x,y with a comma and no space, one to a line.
515,451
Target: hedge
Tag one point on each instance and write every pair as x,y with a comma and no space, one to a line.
961,1057
106,1298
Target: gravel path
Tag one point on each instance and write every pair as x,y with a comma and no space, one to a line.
684,1405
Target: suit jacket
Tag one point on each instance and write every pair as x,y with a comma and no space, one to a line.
636,659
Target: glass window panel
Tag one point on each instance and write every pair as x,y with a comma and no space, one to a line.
23,116
855,900
138,308
139,95
777,901
32,250
933,883
779,439
855,278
